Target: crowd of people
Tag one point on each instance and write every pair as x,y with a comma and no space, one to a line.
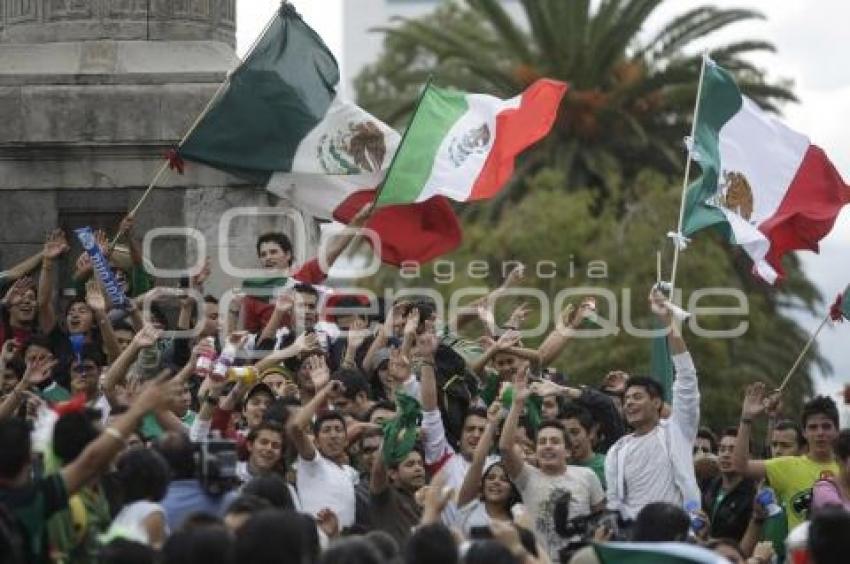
299,425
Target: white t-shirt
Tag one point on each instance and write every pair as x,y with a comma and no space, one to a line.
648,475
322,483
540,492
474,514
130,520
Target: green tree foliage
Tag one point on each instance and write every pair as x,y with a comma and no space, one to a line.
630,101
603,185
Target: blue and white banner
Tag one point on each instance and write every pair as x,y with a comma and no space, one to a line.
101,267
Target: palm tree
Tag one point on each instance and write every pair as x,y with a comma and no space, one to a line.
630,101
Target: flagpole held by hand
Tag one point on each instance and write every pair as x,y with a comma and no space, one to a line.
678,238
169,161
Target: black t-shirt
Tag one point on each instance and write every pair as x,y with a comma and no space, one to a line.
32,505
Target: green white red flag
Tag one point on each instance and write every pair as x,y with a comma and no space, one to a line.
764,186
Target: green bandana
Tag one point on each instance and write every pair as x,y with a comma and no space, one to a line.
401,432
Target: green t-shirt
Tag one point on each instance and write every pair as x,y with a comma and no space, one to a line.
597,464
33,505
54,393
775,530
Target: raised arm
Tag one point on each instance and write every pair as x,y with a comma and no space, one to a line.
353,233
304,342
53,249
320,374
507,340
565,328
378,480
510,457
470,312
98,454
471,486
22,268
426,347
97,302
753,406
283,305
117,371
37,371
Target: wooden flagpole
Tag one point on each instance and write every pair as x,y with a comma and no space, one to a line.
164,167
803,352
678,235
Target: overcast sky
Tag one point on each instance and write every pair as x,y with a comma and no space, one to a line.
808,44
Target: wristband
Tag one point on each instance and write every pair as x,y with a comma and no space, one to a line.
115,434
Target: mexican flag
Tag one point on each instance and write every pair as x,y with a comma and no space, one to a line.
463,146
763,185
280,123
653,553
840,309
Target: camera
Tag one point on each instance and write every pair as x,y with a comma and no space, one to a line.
215,465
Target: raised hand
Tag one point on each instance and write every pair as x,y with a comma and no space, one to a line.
508,339
412,322
307,342
284,302
521,391
754,401
426,344
8,352
197,281
83,264
94,296
660,305
147,336
515,276
319,373
160,392
39,369
357,333
127,224
398,366
495,413
55,244
518,316
545,388
102,240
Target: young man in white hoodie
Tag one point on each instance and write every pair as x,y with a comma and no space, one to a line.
655,461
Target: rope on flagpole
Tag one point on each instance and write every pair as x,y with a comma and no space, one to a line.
679,240
167,162
803,353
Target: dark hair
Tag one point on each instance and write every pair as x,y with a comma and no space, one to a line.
15,446
73,432
248,503
143,475
429,544
369,433
122,325
555,425
842,445
580,414
828,541
38,341
488,551
275,237
265,425
791,425
515,496
353,381
209,299
474,411
303,288
327,416
706,433
158,314
384,543
417,448
201,520
277,411
178,452
729,432
271,488
123,551
198,545
714,544
352,550
295,531
820,405
661,522
652,387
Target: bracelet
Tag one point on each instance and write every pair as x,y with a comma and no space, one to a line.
115,434
747,420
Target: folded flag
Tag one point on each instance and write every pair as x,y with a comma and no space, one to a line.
653,553
280,114
463,146
763,185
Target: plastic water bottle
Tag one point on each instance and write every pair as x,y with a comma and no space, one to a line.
767,499
697,522
206,360
224,362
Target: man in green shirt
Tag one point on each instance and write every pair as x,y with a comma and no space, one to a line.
581,429
33,501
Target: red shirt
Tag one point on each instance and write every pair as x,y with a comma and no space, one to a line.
257,312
